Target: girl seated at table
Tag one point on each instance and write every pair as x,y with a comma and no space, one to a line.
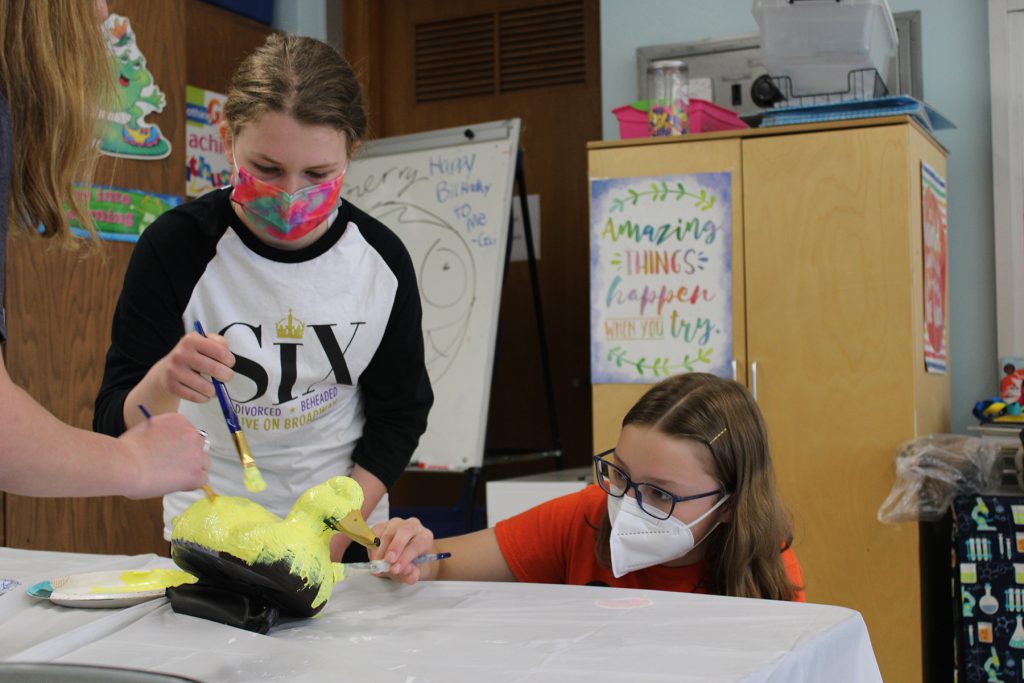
686,501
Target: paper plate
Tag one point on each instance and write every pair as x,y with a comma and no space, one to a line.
118,588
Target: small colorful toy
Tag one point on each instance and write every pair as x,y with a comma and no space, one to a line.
997,410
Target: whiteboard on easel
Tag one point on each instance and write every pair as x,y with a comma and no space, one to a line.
447,194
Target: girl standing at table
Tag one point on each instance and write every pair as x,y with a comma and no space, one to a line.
52,59
317,300
686,501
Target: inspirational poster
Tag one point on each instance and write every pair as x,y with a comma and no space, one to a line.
120,215
933,221
660,277
206,166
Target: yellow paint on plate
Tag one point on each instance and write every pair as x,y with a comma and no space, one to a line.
137,580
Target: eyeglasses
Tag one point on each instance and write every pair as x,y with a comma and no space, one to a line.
655,501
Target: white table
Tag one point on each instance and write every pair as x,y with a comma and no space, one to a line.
374,630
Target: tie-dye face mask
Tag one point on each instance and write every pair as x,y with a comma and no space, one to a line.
281,215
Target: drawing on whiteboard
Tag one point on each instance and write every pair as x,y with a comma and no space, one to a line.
447,279
447,195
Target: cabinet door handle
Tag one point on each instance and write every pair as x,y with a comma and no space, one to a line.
753,379
734,375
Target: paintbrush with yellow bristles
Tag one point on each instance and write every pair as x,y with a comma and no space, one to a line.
253,479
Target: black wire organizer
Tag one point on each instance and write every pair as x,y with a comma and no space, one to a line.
862,84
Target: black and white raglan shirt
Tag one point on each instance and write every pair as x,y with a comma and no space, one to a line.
328,343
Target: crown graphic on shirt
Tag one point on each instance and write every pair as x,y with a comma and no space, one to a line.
294,329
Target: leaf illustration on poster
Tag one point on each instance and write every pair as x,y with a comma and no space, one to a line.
660,277
126,133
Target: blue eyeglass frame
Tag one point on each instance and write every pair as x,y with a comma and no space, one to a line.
599,460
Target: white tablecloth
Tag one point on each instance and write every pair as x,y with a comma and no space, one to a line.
375,630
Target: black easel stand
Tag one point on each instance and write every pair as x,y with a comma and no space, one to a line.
502,455
497,456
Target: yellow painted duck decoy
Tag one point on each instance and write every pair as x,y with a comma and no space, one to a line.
247,558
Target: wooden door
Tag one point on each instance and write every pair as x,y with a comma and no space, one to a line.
834,326
428,65
659,158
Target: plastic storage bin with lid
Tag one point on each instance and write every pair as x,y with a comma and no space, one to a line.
817,43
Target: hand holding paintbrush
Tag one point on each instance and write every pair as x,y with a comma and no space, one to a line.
253,479
206,449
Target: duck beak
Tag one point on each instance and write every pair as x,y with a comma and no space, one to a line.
353,526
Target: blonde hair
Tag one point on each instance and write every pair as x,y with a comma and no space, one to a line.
54,71
303,77
743,556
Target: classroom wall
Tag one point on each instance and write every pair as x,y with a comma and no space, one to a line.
318,19
301,17
954,37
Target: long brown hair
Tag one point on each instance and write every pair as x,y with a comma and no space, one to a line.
300,76
54,70
744,555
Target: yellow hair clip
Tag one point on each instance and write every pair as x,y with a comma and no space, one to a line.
724,430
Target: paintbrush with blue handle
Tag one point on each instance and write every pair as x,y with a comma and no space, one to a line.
381,566
253,479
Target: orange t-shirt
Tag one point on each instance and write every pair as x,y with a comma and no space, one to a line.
554,543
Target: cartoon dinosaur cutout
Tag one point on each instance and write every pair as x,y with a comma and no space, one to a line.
126,133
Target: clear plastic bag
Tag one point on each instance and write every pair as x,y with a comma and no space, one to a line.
931,471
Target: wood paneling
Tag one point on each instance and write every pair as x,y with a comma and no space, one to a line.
60,306
59,338
218,40
60,303
362,23
557,123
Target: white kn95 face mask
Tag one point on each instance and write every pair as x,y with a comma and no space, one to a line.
639,541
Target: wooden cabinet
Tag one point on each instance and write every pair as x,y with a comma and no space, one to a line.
829,327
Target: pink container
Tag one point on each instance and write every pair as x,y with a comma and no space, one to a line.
707,116
704,117
632,121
